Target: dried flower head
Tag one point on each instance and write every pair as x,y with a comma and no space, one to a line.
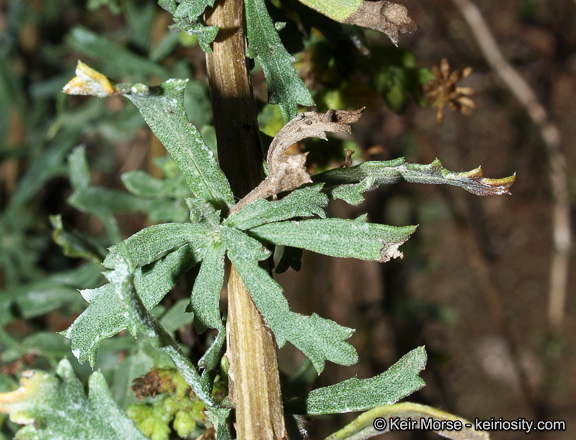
442,90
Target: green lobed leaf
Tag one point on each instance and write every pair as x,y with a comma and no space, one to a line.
206,292
352,193
105,316
354,394
337,237
318,338
205,34
163,110
238,243
285,87
153,242
393,171
139,316
56,407
187,15
306,201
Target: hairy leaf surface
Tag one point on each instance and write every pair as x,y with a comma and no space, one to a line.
285,87
338,237
349,184
162,107
206,292
187,14
354,394
151,243
318,338
105,316
57,408
163,110
303,202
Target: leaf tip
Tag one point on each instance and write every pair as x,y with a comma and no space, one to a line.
89,82
391,249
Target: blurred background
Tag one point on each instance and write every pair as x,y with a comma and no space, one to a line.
474,285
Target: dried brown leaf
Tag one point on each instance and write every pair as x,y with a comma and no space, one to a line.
387,17
289,172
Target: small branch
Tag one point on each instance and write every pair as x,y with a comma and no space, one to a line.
550,134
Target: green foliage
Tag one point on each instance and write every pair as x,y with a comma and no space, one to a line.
104,316
337,237
318,338
56,407
306,201
187,14
285,87
163,110
399,381
188,208
171,403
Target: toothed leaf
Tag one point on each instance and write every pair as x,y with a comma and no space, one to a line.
151,243
104,316
285,87
318,338
354,394
57,408
187,15
163,110
356,178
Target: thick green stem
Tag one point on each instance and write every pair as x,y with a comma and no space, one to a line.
251,350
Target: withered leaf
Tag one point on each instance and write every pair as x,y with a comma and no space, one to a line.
289,172
387,17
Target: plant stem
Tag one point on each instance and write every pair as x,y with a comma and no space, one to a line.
251,350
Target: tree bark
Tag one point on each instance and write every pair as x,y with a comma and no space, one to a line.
254,383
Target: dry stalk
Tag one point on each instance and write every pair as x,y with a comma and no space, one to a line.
254,384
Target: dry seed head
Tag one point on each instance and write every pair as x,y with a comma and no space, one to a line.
442,90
